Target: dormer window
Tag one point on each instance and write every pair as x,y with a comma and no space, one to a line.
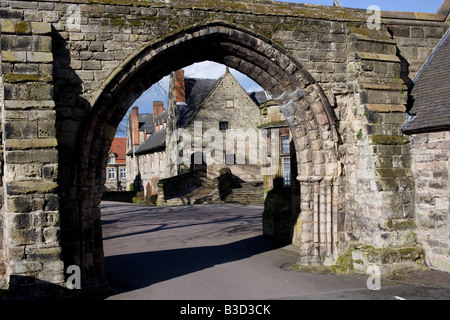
111,159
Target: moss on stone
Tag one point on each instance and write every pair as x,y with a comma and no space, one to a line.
20,78
388,140
23,27
400,225
344,263
117,22
391,172
359,135
412,254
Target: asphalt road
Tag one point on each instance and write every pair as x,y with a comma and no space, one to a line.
217,252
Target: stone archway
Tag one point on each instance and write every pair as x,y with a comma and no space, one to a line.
302,102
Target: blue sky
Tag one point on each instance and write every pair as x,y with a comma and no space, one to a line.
430,6
212,70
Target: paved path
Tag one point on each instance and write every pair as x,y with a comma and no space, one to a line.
215,252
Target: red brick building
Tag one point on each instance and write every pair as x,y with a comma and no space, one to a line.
116,170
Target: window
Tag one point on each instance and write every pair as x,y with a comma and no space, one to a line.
111,159
287,172
285,145
230,158
223,126
123,173
230,104
111,174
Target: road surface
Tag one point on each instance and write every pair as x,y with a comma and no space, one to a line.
217,252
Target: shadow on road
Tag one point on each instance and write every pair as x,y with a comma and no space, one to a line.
130,272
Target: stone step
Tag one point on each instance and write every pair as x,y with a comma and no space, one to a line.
256,198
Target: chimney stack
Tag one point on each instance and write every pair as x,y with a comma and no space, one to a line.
135,126
180,89
158,109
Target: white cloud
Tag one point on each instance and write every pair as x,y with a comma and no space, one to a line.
205,70
213,70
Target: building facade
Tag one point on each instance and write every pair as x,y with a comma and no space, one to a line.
428,127
145,145
220,106
116,170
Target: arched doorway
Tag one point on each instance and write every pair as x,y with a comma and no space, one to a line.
301,100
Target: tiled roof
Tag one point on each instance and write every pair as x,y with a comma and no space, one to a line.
118,147
430,93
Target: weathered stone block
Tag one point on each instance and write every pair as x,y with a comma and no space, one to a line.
7,26
26,144
20,130
41,44
92,65
11,14
46,219
41,27
15,43
32,186
22,27
14,56
19,78
49,171
21,221
44,57
401,224
41,91
51,235
26,104
42,253
387,184
25,267
25,204
388,140
392,173
47,129
24,237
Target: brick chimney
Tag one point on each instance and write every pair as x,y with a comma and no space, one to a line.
135,125
180,89
158,109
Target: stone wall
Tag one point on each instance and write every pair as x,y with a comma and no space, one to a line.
2,267
152,168
72,68
31,217
378,185
173,186
415,42
430,165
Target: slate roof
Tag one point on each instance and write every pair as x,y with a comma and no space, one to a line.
430,92
259,97
146,122
153,143
197,90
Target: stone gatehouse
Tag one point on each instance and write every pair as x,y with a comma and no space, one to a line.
70,70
